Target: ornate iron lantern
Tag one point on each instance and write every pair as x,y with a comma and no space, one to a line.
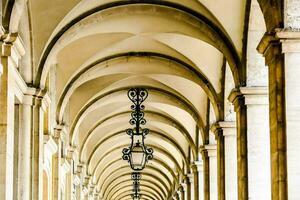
137,154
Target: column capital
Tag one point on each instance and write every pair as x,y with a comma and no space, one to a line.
227,126
76,179
208,150
255,95
183,186
8,38
267,41
185,180
40,98
280,41
236,98
190,177
71,151
290,40
203,152
197,166
35,96
92,188
211,150
217,130
86,180
60,131
12,46
28,97
80,168
6,41
65,166
50,145
46,101
248,96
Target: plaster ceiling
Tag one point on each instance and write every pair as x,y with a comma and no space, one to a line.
100,49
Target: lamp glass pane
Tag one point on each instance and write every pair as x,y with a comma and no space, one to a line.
138,158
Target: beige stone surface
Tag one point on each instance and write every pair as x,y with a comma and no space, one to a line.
222,109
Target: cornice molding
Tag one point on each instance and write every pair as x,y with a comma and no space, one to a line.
288,39
255,95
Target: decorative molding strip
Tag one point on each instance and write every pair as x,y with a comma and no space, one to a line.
249,96
228,127
255,95
211,150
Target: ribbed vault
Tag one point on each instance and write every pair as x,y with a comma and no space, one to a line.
221,124
97,50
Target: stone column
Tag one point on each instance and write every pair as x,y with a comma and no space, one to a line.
50,148
197,167
183,191
80,176
256,99
57,164
6,119
12,89
281,51
70,157
64,173
84,192
206,172
191,186
213,176
188,194
291,49
77,185
270,47
229,133
201,185
240,108
218,131
25,147
40,102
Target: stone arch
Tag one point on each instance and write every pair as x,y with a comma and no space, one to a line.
234,60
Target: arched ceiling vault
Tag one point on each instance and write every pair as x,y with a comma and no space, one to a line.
115,192
92,52
107,169
118,184
147,188
83,76
123,171
145,195
154,133
160,150
110,157
207,26
100,84
94,104
127,183
154,116
151,178
156,164
100,49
